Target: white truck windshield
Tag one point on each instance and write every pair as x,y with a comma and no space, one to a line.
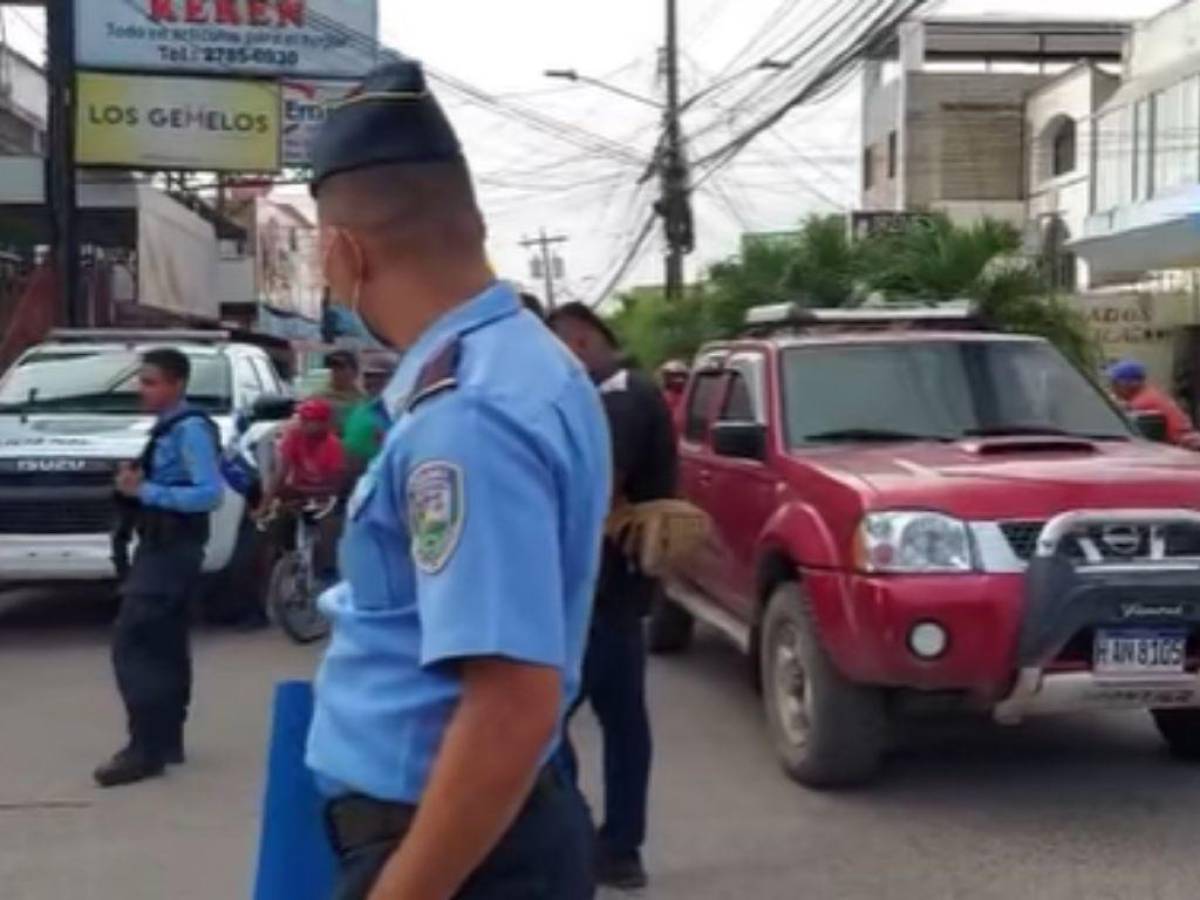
83,380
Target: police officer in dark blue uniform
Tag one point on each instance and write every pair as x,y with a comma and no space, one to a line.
168,496
472,543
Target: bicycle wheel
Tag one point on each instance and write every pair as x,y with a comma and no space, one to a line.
294,601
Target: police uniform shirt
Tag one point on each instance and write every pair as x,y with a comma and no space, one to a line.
186,469
474,533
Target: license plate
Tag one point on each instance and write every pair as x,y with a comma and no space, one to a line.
1140,653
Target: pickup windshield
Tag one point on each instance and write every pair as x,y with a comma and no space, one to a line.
940,391
81,380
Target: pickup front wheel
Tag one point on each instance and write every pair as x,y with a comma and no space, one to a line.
828,731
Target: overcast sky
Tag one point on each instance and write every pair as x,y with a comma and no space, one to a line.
531,180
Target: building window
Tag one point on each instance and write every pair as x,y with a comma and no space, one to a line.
1113,174
868,168
1063,148
1176,124
1058,262
1143,151
893,151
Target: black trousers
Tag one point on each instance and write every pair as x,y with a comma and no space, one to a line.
545,855
614,682
150,652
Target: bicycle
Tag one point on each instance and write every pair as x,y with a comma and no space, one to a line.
294,586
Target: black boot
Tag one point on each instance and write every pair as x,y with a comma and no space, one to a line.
173,754
129,766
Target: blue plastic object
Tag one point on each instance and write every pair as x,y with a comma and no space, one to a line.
294,858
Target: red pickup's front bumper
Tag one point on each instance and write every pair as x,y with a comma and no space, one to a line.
865,623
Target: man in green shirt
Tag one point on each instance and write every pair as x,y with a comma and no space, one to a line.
368,422
342,392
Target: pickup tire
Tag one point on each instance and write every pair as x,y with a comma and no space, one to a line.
828,731
670,627
1180,728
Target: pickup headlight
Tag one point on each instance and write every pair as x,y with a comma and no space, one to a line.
912,543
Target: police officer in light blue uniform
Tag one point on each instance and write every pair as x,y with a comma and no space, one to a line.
167,497
472,543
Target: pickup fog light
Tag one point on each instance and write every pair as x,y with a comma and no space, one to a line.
928,640
913,543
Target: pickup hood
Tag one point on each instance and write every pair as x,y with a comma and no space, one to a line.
1018,478
84,436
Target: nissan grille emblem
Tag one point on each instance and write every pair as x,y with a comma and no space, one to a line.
1123,540
51,465
1152,611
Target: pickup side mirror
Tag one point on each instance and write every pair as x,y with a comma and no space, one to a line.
272,408
1150,425
740,440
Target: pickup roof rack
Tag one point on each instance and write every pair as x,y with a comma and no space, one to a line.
137,336
792,317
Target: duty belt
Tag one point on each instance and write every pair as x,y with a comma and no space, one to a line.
356,820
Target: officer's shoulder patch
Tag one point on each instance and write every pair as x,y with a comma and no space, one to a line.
435,513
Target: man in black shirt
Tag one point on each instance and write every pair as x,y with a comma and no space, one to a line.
646,464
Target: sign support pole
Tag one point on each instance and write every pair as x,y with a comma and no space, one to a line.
60,162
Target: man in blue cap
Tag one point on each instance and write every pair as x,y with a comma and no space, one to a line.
1133,389
472,543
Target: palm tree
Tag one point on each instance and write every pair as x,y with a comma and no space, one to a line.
931,259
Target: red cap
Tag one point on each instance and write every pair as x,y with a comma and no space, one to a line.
315,410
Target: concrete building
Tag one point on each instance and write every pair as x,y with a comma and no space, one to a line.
23,105
944,110
1058,167
1145,178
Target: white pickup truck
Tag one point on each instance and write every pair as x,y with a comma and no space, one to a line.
69,415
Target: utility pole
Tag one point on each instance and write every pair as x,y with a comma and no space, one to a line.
675,206
60,161
549,268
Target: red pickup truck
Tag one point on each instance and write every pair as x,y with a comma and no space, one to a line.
931,518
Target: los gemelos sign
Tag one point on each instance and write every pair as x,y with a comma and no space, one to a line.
154,122
319,38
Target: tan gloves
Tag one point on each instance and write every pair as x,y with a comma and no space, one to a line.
657,536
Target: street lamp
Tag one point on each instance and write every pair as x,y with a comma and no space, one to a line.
572,75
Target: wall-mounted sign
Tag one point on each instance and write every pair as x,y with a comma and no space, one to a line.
203,124
305,106
318,38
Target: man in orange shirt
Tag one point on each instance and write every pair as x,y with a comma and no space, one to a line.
1136,394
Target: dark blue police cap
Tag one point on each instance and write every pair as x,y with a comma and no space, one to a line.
391,117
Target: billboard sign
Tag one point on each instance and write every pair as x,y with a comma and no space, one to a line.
204,124
318,38
305,106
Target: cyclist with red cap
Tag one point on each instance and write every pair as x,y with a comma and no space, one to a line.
312,461
311,464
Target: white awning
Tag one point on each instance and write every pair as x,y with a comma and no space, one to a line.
1125,255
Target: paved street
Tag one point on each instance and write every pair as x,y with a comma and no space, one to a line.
1086,808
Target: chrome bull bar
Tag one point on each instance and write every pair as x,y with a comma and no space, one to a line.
1069,524
1065,594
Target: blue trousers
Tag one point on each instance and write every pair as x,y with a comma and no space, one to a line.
546,855
614,683
150,652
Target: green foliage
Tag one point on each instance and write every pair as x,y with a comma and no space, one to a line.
820,266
